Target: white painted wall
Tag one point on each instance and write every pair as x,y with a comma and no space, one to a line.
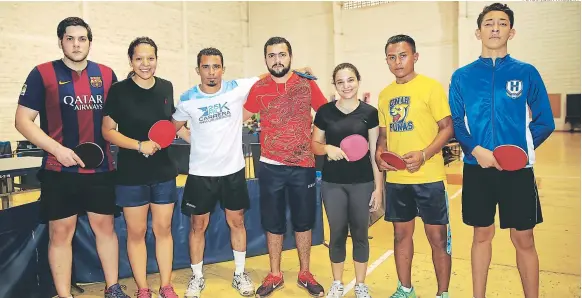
180,29
321,33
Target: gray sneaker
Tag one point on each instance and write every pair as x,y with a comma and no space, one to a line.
195,286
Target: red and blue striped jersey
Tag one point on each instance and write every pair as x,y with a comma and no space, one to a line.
70,107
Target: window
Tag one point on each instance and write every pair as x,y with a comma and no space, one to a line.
360,4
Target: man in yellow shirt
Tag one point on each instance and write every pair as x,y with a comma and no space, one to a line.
415,123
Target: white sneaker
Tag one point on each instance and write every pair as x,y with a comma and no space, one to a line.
336,290
243,284
195,286
362,291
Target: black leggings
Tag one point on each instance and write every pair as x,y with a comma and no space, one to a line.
347,205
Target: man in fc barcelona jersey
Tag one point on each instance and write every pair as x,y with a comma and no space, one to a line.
69,94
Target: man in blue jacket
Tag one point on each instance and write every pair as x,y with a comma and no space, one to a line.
498,100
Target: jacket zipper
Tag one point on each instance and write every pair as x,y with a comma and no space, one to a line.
493,105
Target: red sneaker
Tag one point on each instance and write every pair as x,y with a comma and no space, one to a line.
308,282
270,284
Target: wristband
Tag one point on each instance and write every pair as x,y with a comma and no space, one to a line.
423,157
139,146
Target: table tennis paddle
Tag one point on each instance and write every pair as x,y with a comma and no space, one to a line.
510,157
305,75
394,160
163,133
355,147
90,153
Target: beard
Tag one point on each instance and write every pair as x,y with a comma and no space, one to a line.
281,73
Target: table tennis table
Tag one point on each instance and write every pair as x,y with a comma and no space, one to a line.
15,167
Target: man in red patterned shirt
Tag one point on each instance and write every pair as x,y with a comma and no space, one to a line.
287,165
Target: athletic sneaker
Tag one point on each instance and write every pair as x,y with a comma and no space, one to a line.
195,286
144,293
362,291
444,295
271,283
167,292
336,290
400,293
115,291
306,281
243,284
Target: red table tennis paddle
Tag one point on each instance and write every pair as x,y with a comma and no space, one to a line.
163,133
355,147
90,153
394,160
510,157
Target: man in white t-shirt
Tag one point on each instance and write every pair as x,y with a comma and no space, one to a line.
216,169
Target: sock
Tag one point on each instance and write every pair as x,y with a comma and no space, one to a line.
407,290
239,261
197,269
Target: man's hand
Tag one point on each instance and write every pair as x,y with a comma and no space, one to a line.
485,158
335,153
67,157
414,160
383,165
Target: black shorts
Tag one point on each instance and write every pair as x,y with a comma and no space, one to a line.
201,193
404,202
297,184
64,194
516,193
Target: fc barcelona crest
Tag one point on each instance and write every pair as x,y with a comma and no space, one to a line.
514,88
96,82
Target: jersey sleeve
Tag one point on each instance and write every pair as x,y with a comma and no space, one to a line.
542,124
372,120
457,106
32,94
319,120
251,104
317,97
438,103
181,114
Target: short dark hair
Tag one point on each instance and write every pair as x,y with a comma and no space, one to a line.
401,38
496,7
210,52
277,40
344,66
73,21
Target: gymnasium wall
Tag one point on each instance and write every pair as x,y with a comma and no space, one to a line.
307,26
322,35
180,29
548,36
